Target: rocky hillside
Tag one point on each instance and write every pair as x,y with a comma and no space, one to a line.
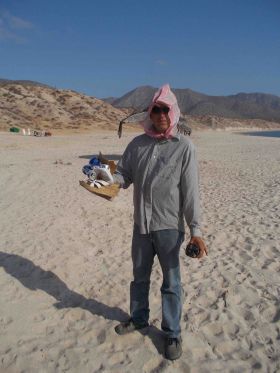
30,104
242,105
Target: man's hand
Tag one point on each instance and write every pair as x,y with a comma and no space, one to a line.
200,243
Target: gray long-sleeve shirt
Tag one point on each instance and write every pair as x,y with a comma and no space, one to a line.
165,178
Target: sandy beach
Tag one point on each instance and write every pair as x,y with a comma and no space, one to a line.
65,265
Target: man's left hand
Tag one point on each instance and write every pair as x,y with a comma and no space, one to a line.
200,243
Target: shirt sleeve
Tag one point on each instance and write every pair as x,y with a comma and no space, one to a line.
190,191
123,173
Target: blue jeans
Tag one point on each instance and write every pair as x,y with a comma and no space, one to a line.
165,244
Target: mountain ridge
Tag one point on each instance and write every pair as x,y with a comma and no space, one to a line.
241,105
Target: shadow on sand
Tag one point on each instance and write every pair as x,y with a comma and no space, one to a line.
34,277
111,157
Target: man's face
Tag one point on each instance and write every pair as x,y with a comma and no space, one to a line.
159,117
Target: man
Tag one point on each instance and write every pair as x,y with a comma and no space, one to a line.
162,166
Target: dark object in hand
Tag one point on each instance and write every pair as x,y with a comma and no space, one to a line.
192,250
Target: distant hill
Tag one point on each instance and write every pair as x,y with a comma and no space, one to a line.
38,106
109,99
241,105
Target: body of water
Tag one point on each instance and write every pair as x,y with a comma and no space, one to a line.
263,133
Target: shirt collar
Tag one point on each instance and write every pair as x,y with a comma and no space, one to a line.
176,137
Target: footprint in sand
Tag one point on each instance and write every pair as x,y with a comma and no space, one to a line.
101,338
154,365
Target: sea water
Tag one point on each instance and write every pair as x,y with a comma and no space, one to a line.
263,133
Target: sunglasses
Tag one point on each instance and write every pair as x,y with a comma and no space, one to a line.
159,110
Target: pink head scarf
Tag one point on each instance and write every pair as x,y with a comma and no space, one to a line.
163,96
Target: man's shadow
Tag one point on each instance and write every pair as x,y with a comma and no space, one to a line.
112,157
35,278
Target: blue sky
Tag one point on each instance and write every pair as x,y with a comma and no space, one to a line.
106,48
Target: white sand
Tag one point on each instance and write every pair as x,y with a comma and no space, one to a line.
65,264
